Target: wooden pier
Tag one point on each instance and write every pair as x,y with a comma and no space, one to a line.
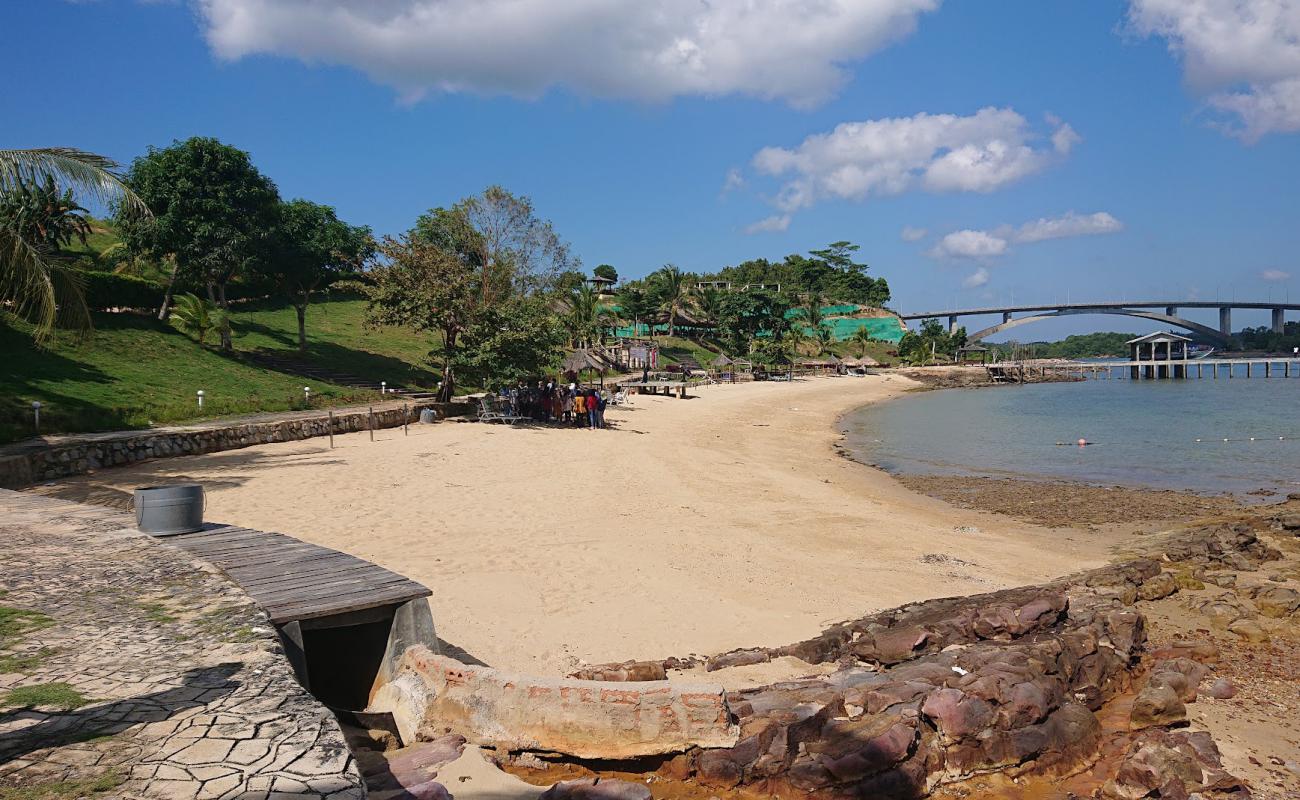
295,581
1181,369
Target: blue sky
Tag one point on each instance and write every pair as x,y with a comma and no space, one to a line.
1126,152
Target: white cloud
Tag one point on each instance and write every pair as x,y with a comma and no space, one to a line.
792,50
1071,224
976,279
733,181
1064,139
982,245
969,244
936,152
1244,55
772,224
1275,275
910,234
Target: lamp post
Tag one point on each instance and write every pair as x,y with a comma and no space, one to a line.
383,387
36,415
199,394
306,394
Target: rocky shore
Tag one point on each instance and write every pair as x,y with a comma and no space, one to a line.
1074,688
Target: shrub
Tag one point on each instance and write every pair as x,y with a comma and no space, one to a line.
108,291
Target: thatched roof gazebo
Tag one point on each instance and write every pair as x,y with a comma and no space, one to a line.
582,359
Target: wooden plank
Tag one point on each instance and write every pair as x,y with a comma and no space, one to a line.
280,561
307,578
326,585
341,605
357,596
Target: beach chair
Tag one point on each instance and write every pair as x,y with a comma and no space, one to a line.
498,413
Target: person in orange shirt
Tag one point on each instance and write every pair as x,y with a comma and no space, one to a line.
579,408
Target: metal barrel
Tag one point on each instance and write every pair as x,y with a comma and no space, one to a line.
169,510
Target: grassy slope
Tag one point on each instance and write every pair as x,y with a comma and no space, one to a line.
133,370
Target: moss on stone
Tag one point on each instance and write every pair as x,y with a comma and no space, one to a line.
64,790
44,695
15,622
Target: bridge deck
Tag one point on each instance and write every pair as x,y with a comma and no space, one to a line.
294,580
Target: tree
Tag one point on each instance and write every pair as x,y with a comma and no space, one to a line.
37,284
430,280
708,303
197,317
313,246
742,316
212,214
519,338
607,272
861,337
669,285
825,337
922,345
634,306
586,320
463,270
44,215
518,253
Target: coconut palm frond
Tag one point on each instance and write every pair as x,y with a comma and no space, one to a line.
40,289
88,174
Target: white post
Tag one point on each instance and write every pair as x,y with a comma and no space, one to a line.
306,394
36,415
383,387
200,396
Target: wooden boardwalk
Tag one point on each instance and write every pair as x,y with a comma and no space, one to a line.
296,581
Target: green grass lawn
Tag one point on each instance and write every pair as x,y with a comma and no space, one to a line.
133,370
338,339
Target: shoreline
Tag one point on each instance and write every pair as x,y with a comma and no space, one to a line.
723,521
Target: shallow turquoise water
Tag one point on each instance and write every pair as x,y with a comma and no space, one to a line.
1145,433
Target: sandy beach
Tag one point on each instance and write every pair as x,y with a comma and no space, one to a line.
696,526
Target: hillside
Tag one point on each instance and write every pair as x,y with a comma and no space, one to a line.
133,370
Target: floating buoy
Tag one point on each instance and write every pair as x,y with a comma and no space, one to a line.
1198,440
1225,440
1083,442
1252,438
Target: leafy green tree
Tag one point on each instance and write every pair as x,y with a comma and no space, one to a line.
463,270
671,290
430,279
607,272
45,215
212,215
312,246
34,282
930,341
519,338
635,306
743,316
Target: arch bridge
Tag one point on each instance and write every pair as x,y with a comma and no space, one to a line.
1166,312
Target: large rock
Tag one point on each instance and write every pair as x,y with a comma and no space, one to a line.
1160,586
585,719
1276,601
1171,765
1157,705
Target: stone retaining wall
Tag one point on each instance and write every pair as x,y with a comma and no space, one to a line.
78,455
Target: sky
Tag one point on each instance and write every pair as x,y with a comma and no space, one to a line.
979,152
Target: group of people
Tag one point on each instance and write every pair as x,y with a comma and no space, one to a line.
553,401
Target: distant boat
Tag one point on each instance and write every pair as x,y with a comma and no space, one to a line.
1200,350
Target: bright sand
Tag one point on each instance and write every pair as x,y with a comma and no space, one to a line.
696,526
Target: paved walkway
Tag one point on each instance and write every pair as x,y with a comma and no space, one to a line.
126,666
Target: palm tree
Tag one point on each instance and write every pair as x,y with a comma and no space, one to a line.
634,307
586,319
196,316
670,287
708,302
796,338
861,337
32,279
825,338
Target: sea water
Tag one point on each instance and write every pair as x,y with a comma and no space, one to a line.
1203,435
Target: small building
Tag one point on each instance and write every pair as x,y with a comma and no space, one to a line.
601,285
1158,355
968,354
